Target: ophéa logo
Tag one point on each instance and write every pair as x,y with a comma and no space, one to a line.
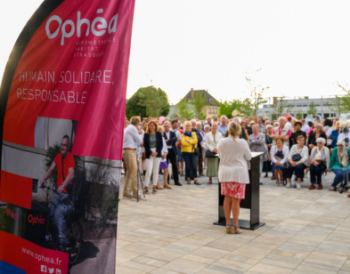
99,26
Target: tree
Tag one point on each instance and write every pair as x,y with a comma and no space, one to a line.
133,108
337,105
148,101
198,102
256,92
312,109
279,107
155,100
227,107
299,114
185,110
340,104
246,107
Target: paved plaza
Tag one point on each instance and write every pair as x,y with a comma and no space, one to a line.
173,232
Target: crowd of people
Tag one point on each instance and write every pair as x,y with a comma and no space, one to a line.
289,148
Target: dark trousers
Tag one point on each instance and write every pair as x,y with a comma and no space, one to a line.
191,165
316,172
171,157
200,161
299,171
339,177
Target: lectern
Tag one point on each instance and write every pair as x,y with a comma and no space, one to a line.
252,197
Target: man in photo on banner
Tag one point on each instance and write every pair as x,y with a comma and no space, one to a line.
60,202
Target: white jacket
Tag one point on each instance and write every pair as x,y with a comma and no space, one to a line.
304,154
234,154
211,143
164,150
285,152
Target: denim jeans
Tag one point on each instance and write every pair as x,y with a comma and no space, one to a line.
316,172
191,165
339,177
299,171
59,206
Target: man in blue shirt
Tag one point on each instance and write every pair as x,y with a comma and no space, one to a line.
223,126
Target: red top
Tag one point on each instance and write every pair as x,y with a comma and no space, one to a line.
68,162
180,144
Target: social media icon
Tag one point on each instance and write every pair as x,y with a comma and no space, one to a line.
43,268
58,271
51,270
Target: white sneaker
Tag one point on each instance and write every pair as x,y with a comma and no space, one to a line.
288,185
128,196
298,186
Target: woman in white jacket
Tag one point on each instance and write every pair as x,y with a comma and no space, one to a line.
211,142
279,156
233,174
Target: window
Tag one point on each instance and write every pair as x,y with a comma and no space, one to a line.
209,111
216,110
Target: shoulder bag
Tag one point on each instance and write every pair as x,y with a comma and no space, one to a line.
297,157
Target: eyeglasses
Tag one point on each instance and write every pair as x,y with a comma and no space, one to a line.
339,145
64,145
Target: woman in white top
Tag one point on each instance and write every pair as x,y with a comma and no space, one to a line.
163,163
319,162
211,142
297,161
279,155
233,174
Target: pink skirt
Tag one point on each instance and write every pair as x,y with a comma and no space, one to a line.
233,189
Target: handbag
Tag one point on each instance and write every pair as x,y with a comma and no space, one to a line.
209,154
297,157
196,150
329,142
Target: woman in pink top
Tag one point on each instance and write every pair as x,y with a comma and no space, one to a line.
311,125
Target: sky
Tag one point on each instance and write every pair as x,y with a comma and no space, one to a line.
297,48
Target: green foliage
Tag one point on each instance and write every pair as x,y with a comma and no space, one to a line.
227,107
199,103
50,156
337,105
133,108
256,91
280,107
299,115
246,107
148,101
201,116
340,104
184,110
312,109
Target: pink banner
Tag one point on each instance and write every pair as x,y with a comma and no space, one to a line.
62,106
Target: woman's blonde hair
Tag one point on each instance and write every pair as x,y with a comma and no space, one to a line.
160,128
187,123
154,123
234,129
